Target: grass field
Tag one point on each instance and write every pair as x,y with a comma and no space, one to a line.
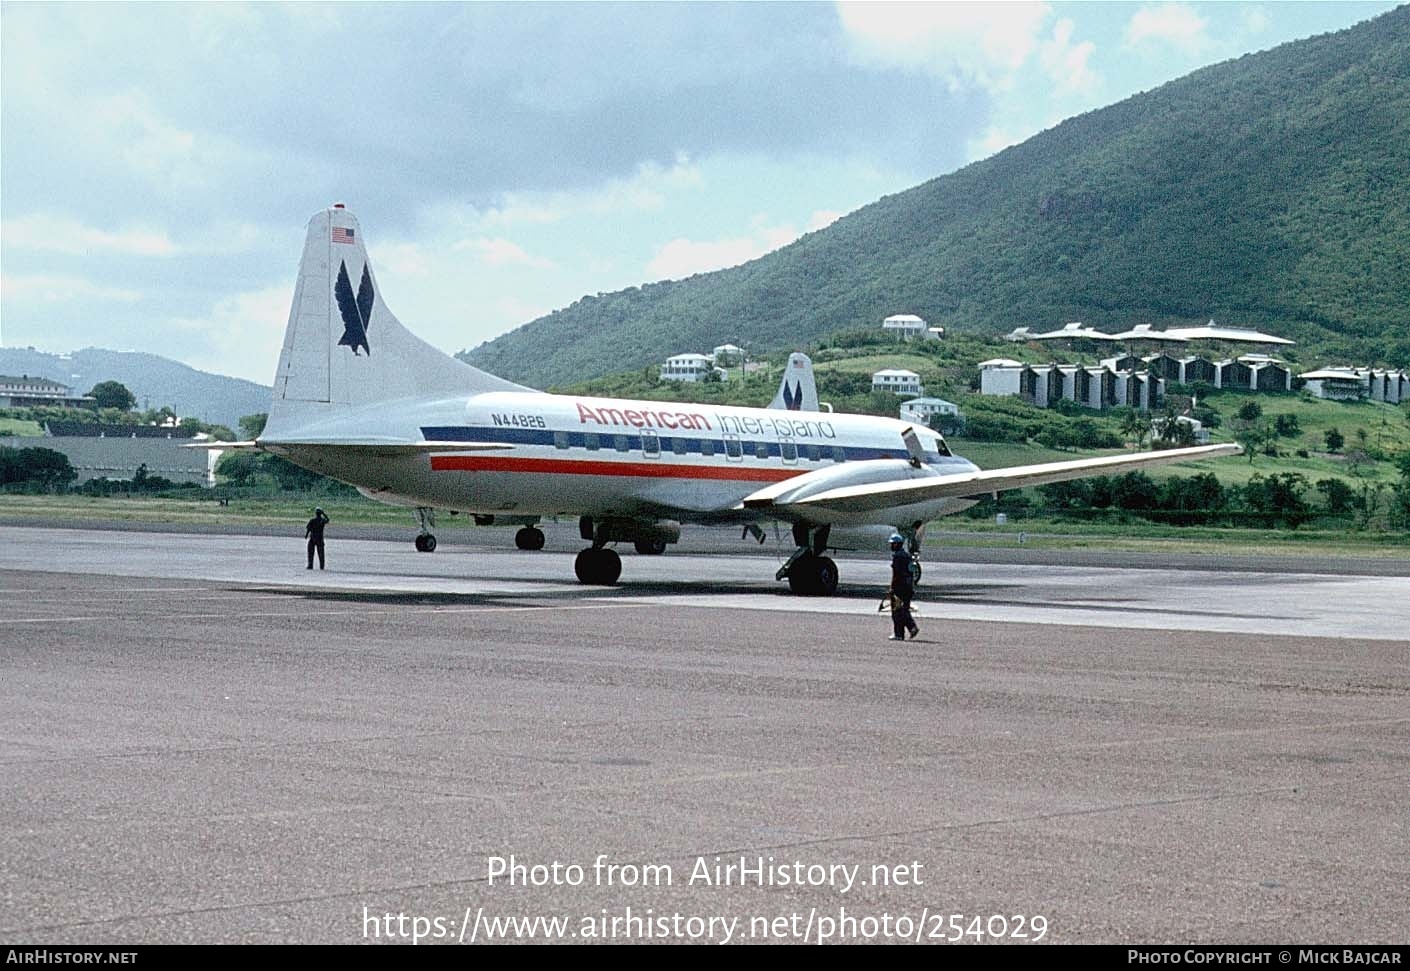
293,511
270,510
14,426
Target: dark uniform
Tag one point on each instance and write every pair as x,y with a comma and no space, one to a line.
314,534
902,590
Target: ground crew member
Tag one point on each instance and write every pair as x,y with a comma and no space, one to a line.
314,534
902,590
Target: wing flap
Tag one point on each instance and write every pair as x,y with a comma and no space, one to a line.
903,492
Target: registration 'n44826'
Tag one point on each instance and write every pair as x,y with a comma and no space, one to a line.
518,421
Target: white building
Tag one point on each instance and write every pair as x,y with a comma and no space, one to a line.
897,381
1350,384
907,326
1336,383
921,410
688,367
728,355
1093,387
1392,387
27,392
1198,433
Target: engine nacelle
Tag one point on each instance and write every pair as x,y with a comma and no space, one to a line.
837,477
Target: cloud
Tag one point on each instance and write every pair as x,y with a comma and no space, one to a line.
683,257
991,142
1256,20
1069,64
61,234
982,43
58,288
240,336
1174,24
646,190
502,252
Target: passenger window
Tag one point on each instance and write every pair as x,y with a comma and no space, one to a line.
789,450
707,446
619,442
732,448
650,444
814,453
592,442
839,454
761,450
560,439
679,445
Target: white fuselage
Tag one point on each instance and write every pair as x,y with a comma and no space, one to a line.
578,456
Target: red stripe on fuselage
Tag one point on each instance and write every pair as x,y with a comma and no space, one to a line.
644,470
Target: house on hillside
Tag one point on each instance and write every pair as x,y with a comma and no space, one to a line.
897,381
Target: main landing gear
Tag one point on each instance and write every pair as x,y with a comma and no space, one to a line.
426,517
808,571
913,534
529,538
597,565
601,566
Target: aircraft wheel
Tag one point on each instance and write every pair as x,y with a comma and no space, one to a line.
802,579
529,538
599,568
650,547
425,543
813,576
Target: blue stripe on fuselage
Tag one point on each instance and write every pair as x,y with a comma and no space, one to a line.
622,442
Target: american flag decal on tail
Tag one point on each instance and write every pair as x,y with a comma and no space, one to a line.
342,235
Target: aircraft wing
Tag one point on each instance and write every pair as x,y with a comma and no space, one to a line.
903,492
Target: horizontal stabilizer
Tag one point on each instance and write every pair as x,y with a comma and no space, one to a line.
903,491
214,446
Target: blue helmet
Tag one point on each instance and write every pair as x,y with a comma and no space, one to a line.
896,538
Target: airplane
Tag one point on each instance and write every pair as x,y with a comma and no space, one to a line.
361,399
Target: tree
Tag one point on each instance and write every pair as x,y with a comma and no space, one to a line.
1200,493
1251,411
43,466
1337,496
1254,438
239,467
1135,491
252,425
1135,426
1171,432
1287,426
1279,495
1335,440
111,394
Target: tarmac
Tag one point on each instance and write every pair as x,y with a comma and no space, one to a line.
201,741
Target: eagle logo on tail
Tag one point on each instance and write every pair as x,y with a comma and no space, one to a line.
793,397
356,310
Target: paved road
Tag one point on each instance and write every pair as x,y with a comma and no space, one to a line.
200,741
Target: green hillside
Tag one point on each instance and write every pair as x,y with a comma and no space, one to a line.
1268,191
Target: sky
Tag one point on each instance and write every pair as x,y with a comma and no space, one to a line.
159,162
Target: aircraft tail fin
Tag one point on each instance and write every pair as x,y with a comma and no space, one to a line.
798,391
343,348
